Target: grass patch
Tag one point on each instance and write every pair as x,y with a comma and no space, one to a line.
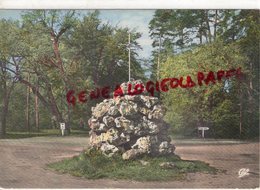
94,165
43,132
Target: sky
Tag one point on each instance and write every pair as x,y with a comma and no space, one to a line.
134,19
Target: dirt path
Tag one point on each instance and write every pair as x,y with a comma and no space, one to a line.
23,165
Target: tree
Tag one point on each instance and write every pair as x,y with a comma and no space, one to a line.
62,51
243,27
103,50
249,43
185,28
208,105
181,30
9,51
41,32
99,57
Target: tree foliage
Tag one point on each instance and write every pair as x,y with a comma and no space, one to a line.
214,105
210,40
51,52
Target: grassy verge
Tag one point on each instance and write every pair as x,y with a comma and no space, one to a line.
94,165
43,132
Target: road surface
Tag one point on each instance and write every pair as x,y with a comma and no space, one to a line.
23,164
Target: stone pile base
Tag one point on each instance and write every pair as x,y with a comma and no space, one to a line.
130,125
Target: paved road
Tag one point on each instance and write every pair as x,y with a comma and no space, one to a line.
23,164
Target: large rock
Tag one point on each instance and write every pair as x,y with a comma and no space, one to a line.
109,121
131,125
128,108
124,124
166,148
143,143
108,149
100,110
132,154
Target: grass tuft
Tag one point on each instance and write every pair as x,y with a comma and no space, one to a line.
94,165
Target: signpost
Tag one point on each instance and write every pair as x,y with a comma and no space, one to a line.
203,129
62,128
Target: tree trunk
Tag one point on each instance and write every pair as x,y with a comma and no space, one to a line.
2,131
4,116
215,24
37,109
240,118
67,82
28,106
250,107
208,26
251,102
4,111
200,34
51,105
240,111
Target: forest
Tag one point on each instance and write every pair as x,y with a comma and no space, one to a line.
47,53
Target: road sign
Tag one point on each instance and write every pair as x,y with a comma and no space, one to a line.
203,129
62,128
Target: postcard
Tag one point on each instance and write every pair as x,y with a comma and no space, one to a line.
129,98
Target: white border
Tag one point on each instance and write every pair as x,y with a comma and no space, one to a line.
129,4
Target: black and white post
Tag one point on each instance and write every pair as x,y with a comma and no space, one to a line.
203,129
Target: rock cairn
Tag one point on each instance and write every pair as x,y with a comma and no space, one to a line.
131,125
